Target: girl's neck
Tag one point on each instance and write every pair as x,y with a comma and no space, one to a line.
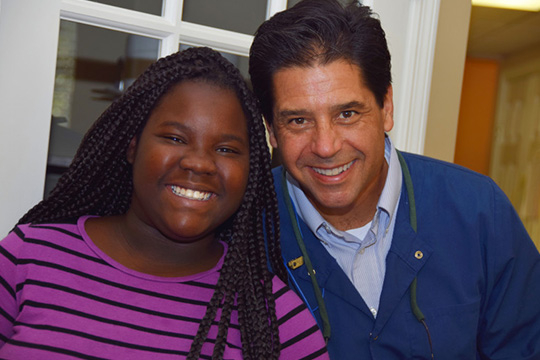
143,248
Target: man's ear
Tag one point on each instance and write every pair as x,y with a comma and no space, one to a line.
388,110
271,134
131,150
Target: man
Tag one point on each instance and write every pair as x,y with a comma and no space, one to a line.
398,256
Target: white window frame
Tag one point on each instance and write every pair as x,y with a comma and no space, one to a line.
29,34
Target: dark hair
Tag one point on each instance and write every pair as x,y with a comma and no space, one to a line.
318,32
99,182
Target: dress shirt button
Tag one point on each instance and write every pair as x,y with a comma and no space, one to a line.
373,311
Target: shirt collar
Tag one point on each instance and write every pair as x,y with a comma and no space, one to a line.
387,201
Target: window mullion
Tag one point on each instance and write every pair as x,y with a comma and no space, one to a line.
219,39
274,6
172,11
114,18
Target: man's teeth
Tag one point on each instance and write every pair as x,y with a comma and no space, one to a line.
191,194
334,171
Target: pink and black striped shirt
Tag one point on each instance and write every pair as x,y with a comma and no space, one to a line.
63,298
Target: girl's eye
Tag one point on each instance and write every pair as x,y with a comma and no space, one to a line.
227,150
175,139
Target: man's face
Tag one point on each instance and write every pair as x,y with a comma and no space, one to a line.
330,132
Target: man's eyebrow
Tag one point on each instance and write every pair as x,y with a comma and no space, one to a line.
339,107
292,112
349,106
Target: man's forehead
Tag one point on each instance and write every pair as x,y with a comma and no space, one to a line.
316,79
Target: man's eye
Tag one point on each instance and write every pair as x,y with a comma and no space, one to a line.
298,121
347,114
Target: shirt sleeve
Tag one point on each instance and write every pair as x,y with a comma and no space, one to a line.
509,327
299,334
9,248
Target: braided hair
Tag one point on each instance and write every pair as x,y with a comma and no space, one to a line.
99,182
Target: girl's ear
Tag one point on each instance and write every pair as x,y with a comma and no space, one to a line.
131,151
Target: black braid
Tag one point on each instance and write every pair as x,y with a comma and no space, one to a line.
99,182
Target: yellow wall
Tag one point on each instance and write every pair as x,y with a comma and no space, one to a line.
448,63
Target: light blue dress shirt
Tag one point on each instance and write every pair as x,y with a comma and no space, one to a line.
360,252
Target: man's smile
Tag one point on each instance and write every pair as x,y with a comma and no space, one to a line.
334,171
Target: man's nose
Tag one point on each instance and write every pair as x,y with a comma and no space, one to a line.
326,141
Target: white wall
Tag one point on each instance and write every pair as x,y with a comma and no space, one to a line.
28,42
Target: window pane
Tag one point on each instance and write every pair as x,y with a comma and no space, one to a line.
147,6
93,67
291,3
242,16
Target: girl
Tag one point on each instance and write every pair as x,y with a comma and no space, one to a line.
152,244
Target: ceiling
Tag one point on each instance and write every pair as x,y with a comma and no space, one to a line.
497,33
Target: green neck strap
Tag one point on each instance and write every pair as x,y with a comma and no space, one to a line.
412,219
311,272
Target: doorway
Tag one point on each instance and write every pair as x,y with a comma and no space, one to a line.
499,123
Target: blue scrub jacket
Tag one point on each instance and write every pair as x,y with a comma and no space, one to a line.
478,279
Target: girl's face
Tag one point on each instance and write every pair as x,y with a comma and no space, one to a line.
191,162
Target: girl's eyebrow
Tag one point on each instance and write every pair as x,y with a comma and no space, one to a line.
183,127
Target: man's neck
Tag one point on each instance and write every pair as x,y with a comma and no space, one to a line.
362,210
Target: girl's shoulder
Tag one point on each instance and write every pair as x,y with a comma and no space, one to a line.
34,237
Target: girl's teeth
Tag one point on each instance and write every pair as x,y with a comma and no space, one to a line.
191,194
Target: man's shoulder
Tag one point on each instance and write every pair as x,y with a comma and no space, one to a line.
440,182
421,166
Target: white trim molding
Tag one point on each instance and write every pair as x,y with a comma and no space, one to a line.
412,113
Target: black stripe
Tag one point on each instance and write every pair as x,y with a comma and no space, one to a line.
315,354
6,315
48,348
300,336
200,284
59,229
281,292
18,232
63,309
106,301
65,250
8,287
297,310
108,282
114,303
8,256
102,339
